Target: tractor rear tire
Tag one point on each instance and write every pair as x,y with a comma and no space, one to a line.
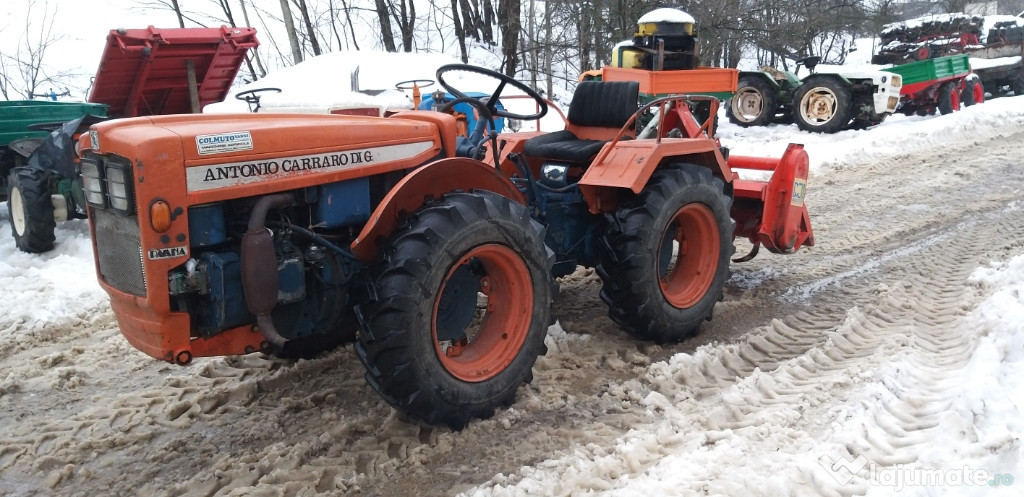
459,309
667,253
30,209
754,103
1017,83
973,92
822,105
948,98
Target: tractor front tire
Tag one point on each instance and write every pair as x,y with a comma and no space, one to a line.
459,309
30,209
667,253
822,105
948,98
753,104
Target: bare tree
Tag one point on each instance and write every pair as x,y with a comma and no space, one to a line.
177,10
289,26
387,36
460,33
405,16
254,53
348,19
310,32
23,70
508,19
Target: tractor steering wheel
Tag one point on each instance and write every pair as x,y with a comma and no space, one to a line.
252,96
491,103
409,84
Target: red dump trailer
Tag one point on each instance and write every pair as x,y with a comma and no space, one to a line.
152,71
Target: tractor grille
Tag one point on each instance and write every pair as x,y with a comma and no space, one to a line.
120,252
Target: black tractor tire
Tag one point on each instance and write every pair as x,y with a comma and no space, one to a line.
30,209
753,104
822,105
702,112
427,288
968,96
948,98
1017,83
652,288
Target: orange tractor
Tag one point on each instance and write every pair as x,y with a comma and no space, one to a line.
232,234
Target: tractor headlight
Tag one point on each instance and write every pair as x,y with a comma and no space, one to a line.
554,174
92,183
118,179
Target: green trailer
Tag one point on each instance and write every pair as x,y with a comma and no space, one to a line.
942,84
25,123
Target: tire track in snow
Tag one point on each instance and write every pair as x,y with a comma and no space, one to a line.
913,315
917,296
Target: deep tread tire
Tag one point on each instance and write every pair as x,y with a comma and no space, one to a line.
30,210
973,92
637,296
398,342
822,105
948,98
753,104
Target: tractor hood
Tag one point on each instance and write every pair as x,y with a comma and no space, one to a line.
268,152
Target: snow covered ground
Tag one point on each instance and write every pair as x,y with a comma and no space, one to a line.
904,373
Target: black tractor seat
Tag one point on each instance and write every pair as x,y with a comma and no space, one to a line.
595,104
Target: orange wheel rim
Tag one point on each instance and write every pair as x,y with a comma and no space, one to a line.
495,338
691,266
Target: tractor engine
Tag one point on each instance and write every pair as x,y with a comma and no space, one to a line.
312,279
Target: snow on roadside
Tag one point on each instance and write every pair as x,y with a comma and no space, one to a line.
55,286
898,136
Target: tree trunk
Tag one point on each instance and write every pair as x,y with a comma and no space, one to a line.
387,37
254,52
549,51
460,33
289,26
531,44
313,43
470,20
334,25
177,11
351,28
407,24
584,38
508,20
488,22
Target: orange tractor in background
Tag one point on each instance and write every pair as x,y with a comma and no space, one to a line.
437,253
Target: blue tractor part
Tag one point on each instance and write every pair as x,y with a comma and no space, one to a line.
428,103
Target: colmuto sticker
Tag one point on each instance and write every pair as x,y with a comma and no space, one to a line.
223,142
167,253
215,176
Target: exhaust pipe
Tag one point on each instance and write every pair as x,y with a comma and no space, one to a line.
259,267
260,284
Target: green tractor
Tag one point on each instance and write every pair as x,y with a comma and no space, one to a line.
37,169
822,102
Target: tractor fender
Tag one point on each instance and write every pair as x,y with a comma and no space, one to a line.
427,182
762,76
828,75
630,165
